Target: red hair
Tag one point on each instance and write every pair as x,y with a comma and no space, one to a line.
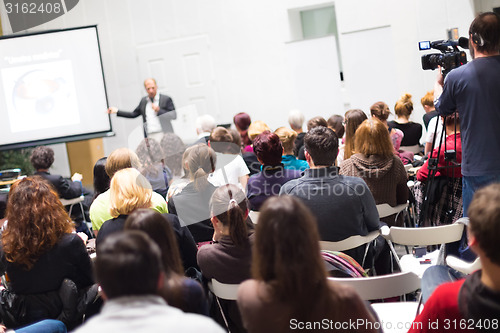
36,221
268,148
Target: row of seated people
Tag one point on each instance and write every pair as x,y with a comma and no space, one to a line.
289,277
58,254
268,151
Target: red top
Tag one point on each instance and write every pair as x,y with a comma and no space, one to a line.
423,173
441,313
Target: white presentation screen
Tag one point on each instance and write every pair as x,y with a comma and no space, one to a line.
52,88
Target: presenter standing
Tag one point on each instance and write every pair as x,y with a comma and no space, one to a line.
156,110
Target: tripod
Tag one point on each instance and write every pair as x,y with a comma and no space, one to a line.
433,184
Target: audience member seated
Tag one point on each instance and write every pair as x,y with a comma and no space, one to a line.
342,205
445,193
40,251
129,191
128,268
475,300
287,138
428,105
100,209
429,137
312,123
289,284
178,184
228,260
296,121
374,161
205,124
336,124
353,118
42,158
412,131
268,182
178,291
101,178
173,148
230,168
152,167
381,111
249,157
242,122
191,204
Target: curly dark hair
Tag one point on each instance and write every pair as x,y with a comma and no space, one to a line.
42,157
36,221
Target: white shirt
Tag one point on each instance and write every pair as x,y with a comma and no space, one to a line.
153,122
229,169
430,131
146,314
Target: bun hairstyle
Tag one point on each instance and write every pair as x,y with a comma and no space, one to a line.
380,110
198,162
229,205
404,106
428,99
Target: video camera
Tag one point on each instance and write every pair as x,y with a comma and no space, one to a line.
449,58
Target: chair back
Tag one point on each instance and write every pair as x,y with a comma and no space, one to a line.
224,290
414,149
385,209
426,236
384,286
349,243
74,201
463,266
254,216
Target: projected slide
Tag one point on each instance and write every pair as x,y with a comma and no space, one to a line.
51,88
43,96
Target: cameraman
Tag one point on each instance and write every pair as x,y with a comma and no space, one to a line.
474,91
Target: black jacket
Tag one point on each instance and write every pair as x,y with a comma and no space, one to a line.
167,112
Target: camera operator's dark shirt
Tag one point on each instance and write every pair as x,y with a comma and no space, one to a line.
474,91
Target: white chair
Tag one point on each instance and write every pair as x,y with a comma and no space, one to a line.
72,202
422,236
254,216
463,266
385,286
350,243
414,149
223,291
385,210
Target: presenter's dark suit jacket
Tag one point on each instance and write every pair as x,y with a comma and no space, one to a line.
166,113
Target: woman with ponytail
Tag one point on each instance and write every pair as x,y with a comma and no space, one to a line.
412,131
228,260
191,204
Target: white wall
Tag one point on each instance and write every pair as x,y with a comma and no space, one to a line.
247,49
